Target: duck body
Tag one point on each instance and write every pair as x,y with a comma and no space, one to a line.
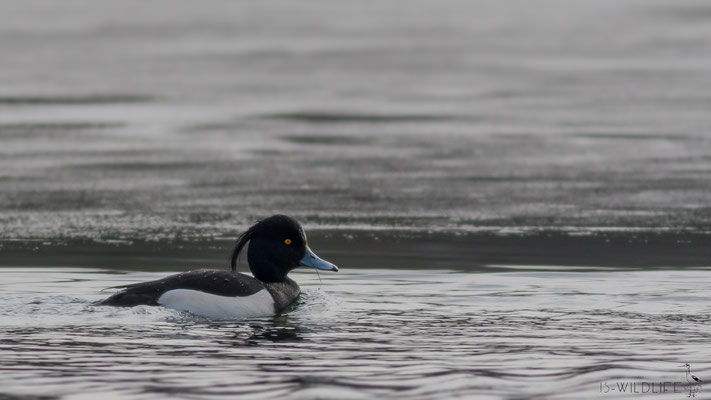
276,246
211,293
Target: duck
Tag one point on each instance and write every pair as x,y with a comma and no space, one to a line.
277,245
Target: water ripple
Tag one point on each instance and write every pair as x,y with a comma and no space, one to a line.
360,334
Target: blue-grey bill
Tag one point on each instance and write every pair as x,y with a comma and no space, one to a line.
313,261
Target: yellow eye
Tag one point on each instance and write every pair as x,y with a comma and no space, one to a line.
287,241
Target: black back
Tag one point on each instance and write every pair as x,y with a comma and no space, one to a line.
218,282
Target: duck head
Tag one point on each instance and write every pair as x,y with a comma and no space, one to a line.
276,246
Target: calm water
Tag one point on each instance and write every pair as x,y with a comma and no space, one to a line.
362,334
119,119
448,155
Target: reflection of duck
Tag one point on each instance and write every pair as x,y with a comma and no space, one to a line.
277,330
276,246
689,377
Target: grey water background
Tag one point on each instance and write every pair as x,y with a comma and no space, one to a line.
516,191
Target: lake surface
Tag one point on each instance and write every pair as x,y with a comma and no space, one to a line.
119,119
364,333
518,195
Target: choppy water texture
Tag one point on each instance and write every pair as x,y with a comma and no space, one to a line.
362,334
446,154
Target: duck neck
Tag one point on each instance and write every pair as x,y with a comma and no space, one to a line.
284,293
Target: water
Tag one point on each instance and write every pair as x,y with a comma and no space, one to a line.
122,120
555,333
517,194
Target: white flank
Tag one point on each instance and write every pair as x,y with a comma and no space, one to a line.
259,304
